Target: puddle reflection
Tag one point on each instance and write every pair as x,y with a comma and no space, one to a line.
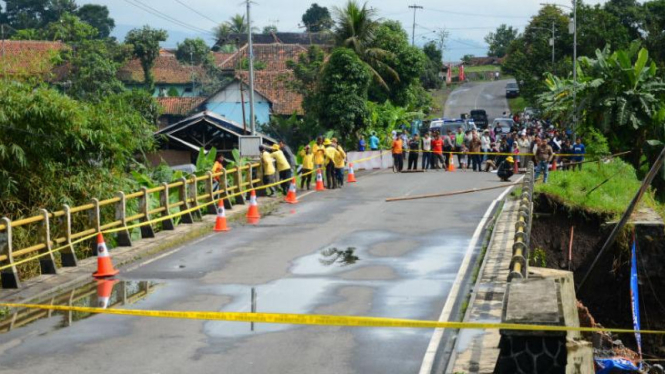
334,256
102,294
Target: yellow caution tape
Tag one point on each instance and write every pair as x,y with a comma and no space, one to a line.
321,320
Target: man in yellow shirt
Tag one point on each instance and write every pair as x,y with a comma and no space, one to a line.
307,167
331,154
283,167
339,162
268,169
319,153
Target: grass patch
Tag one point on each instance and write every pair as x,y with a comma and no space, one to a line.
478,69
574,188
517,104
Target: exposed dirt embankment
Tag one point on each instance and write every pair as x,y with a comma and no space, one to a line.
607,291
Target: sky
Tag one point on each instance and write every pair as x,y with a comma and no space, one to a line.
467,21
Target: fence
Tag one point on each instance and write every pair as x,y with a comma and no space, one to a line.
520,259
56,229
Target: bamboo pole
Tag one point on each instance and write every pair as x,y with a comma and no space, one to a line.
444,194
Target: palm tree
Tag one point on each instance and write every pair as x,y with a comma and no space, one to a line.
237,24
356,30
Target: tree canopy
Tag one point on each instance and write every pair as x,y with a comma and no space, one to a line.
317,18
145,47
98,17
500,40
193,52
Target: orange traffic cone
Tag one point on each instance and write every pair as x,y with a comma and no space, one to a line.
104,290
104,264
253,211
220,223
319,181
554,164
291,195
352,175
451,163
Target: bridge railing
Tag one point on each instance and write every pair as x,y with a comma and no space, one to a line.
520,260
141,212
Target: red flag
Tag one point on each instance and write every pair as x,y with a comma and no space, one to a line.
462,78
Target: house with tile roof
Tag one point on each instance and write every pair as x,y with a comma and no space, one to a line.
22,59
175,109
169,75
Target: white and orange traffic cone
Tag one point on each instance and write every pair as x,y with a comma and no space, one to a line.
104,290
291,197
451,162
104,264
253,211
319,181
352,174
220,222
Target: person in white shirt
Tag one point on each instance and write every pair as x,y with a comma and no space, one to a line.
485,142
427,154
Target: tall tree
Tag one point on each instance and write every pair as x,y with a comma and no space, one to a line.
26,14
270,29
238,24
599,28
145,43
317,19
307,70
342,93
69,29
430,76
499,40
654,24
630,14
193,51
356,29
92,70
98,17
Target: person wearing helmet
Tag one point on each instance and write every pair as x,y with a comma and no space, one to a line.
307,167
505,170
268,170
331,154
283,167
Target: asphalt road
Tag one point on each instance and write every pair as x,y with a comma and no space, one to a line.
408,255
490,96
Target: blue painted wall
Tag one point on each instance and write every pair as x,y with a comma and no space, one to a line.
233,111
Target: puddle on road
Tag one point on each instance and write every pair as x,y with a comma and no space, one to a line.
102,294
336,257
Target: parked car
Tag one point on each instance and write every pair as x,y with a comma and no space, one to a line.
504,124
479,118
443,125
512,90
532,112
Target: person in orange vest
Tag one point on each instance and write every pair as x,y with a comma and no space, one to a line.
217,167
398,150
307,167
283,167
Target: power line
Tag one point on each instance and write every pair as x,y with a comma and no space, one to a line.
166,17
197,12
476,14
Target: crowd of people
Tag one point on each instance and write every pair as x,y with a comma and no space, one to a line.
488,149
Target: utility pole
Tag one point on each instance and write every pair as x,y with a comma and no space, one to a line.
553,31
574,70
252,122
413,34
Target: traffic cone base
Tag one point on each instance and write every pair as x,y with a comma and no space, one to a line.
253,211
220,223
291,195
104,265
554,165
451,163
352,174
319,181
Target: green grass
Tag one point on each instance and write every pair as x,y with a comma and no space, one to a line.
478,69
439,98
574,188
517,104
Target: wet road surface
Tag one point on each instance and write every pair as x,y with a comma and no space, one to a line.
342,252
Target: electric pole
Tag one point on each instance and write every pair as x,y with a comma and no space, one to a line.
252,122
413,34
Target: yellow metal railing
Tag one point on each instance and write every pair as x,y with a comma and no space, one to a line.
144,203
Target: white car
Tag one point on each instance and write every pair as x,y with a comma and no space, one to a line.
505,124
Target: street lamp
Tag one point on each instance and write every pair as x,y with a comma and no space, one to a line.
574,32
551,40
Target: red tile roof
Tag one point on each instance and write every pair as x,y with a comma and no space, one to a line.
274,56
167,69
220,57
28,57
179,106
273,84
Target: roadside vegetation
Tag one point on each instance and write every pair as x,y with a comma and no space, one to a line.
517,104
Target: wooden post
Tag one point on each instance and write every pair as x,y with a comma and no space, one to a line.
167,224
209,188
182,191
240,198
8,276
193,195
47,261
124,237
95,222
67,254
224,182
144,207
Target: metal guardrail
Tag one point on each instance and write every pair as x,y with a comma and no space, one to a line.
59,223
520,260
